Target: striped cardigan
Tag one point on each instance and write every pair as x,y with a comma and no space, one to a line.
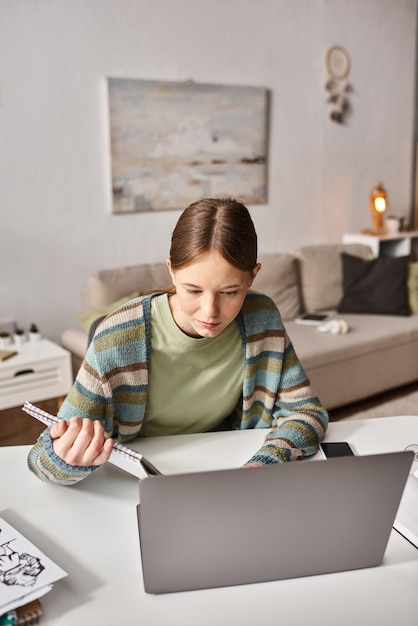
112,386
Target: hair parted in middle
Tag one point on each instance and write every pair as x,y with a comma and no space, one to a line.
223,224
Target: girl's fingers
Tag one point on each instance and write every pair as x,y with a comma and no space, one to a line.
82,443
57,430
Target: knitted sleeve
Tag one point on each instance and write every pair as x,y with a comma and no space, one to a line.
300,421
277,392
49,467
83,401
100,391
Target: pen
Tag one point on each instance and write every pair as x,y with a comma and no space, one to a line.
132,455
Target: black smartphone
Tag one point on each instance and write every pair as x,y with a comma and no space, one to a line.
337,448
316,317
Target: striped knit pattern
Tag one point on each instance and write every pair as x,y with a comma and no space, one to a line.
113,381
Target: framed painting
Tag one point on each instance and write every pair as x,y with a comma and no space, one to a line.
172,143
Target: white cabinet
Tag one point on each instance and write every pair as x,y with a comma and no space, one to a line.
398,244
40,370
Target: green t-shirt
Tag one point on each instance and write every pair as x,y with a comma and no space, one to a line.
193,383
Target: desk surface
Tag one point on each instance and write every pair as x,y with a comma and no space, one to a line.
73,525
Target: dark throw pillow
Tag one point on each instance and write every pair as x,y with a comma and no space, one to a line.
377,287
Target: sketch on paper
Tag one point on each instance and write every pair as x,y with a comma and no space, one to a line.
172,143
26,573
18,568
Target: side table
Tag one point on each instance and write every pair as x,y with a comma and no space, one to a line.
397,244
40,370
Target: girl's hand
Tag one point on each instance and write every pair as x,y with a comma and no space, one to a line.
81,442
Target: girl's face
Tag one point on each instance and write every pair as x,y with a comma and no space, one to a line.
209,294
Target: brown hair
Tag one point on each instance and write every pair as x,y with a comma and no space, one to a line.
222,224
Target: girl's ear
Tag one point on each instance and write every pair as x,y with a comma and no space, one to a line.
254,273
168,263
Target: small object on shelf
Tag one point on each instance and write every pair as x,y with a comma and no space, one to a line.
5,339
34,334
20,336
378,202
6,354
392,224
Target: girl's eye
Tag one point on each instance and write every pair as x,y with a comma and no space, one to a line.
198,291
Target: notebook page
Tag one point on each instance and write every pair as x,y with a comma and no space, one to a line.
406,521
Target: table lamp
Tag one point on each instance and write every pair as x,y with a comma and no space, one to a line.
378,201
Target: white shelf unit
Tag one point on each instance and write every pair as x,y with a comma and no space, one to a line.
397,244
40,370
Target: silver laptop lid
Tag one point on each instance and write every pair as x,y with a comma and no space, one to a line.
239,526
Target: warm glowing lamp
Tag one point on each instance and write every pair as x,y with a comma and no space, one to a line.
378,201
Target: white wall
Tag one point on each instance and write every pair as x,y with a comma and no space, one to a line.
57,225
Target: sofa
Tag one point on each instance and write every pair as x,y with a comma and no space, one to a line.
379,352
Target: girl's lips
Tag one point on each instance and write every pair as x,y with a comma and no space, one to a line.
209,325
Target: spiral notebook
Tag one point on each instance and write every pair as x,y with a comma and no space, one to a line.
406,522
121,456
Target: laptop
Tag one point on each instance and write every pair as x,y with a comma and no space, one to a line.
239,526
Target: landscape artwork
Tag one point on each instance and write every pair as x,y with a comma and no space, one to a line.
173,143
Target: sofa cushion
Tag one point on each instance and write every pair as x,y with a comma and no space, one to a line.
86,318
377,286
321,273
379,352
413,287
279,279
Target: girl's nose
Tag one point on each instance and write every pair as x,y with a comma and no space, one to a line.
210,306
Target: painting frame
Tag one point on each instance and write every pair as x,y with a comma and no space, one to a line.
173,142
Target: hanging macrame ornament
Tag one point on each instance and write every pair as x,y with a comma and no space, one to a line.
337,64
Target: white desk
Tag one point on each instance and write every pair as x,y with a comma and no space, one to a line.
73,525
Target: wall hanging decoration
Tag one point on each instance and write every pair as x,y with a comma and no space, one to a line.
337,64
173,142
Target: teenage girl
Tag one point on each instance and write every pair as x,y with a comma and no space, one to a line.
207,354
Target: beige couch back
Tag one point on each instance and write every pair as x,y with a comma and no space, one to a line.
321,274
107,286
310,279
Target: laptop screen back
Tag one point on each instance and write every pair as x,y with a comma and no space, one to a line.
232,527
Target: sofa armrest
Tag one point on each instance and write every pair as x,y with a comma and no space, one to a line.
75,340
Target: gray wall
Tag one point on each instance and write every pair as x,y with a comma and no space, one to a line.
57,225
